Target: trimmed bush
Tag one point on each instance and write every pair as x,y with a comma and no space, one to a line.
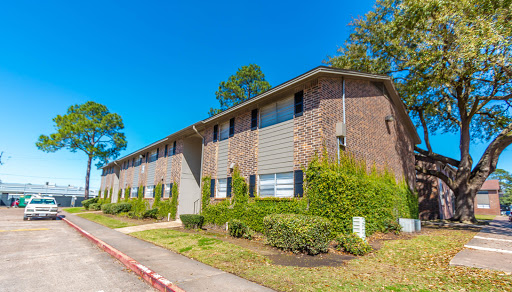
298,233
88,202
240,188
169,206
239,229
95,207
151,213
107,208
119,196
158,195
192,221
121,207
127,193
353,244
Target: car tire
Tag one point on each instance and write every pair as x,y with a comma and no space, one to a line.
25,218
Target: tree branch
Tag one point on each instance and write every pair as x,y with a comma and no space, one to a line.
438,174
437,157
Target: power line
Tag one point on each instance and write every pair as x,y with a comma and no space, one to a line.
18,175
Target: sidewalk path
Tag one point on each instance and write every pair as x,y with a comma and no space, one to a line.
150,226
188,274
491,248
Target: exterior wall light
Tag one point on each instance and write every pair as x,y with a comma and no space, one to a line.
390,118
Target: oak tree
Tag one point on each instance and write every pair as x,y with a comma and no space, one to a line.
451,63
90,128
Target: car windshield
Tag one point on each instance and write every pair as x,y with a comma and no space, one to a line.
43,201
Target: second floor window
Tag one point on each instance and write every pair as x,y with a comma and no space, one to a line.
277,112
224,131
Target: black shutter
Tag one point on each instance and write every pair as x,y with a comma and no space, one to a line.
154,189
254,119
162,190
215,133
170,190
133,162
252,185
147,157
299,103
298,181
212,188
231,127
157,152
165,151
174,148
228,191
143,191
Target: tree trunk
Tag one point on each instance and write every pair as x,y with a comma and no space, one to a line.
87,176
464,204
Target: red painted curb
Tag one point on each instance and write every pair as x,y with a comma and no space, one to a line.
154,279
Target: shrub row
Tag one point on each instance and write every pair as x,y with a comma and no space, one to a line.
88,202
116,208
298,233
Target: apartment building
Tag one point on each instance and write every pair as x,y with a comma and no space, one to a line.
272,137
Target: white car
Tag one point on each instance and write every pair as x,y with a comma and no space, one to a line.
41,207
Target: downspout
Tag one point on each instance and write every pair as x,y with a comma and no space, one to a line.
344,122
201,170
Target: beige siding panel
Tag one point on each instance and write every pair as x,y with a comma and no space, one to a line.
275,149
222,159
135,181
169,169
150,178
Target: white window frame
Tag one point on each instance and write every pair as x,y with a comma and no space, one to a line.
224,131
483,206
221,188
149,190
277,109
167,192
276,185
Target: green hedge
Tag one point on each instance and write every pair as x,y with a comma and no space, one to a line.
192,220
342,191
88,202
239,229
253,212
298,233
205,192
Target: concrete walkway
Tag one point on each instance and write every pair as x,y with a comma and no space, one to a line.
150,226
491,248
188,274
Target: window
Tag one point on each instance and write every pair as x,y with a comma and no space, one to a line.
254,119
165,151
299,103
482,200
276,185
149,193
222,188
215,133
134,192
277,112
232,127
342,143
224,131
167,191
154,156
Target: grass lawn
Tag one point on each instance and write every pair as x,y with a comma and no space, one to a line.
418,264
105,220
485,217
74,209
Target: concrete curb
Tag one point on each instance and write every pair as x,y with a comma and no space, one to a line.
157,281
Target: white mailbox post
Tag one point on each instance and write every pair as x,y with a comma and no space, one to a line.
358,227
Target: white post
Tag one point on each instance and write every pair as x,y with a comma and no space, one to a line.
358,227
168,217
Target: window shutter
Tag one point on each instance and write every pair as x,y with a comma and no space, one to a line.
231,127
157,153
162,189
143,191
298,181
252,185
147,157
215,133
170,190
228,192
165,151
254,119
174,148
212,188
299,103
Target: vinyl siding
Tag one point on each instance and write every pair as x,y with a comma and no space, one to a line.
135,181
168,172
275,149
150,177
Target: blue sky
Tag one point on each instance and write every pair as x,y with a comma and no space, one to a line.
156,63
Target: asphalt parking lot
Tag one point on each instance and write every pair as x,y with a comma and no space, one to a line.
47,255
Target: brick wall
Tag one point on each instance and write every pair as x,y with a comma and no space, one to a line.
428,197
210,149
243,146
307,129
